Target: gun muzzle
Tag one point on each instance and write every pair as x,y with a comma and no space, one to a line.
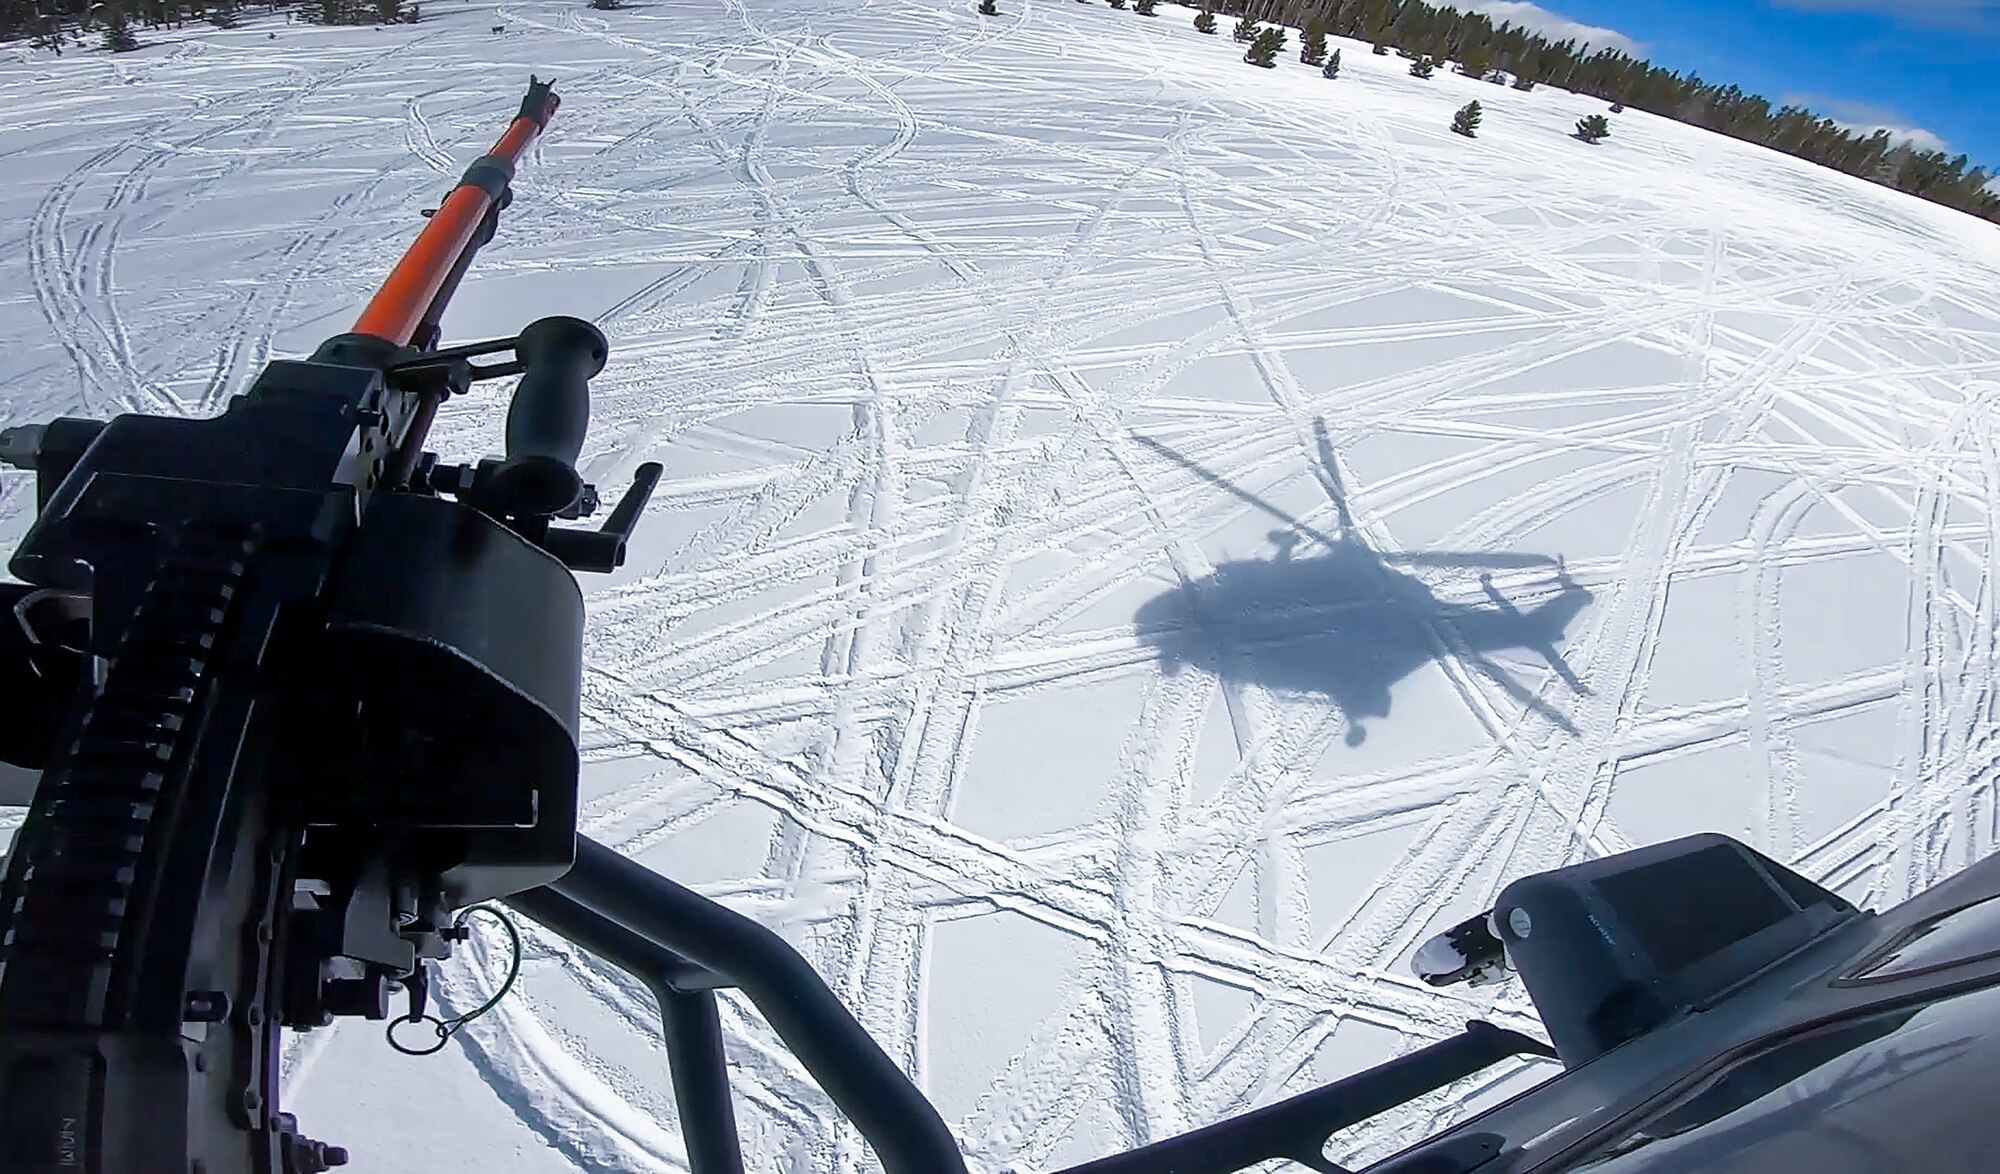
399,306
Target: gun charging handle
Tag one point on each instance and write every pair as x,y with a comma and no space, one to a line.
550,413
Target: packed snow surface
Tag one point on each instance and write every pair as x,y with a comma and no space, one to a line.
1145,540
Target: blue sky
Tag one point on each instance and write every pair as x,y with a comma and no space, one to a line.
1920,65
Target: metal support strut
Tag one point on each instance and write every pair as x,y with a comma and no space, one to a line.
683,946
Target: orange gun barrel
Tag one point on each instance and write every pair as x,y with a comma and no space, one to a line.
400,305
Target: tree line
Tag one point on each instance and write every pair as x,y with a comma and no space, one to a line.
1421,30
61,24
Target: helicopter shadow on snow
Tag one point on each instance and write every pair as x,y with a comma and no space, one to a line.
1330,615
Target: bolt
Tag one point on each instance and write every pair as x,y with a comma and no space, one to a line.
252,1100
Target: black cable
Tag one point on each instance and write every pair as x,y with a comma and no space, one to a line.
446,1028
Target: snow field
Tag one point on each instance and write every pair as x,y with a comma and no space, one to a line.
1145,540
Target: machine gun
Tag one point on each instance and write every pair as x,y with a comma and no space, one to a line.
297,693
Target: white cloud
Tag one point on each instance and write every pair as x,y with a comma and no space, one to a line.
1916,136
1865,119
1554,26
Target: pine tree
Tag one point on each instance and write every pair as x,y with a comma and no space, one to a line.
1331,69
1245,30
1411,26
1265,49
1894,164
1476,61
1117,3
1594,129
1377,19
1528,65
1422,67
1145,7
1204,22
118,37
223,16
986,7
1466,121
1312,43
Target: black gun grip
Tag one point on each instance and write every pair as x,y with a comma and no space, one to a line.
550,413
